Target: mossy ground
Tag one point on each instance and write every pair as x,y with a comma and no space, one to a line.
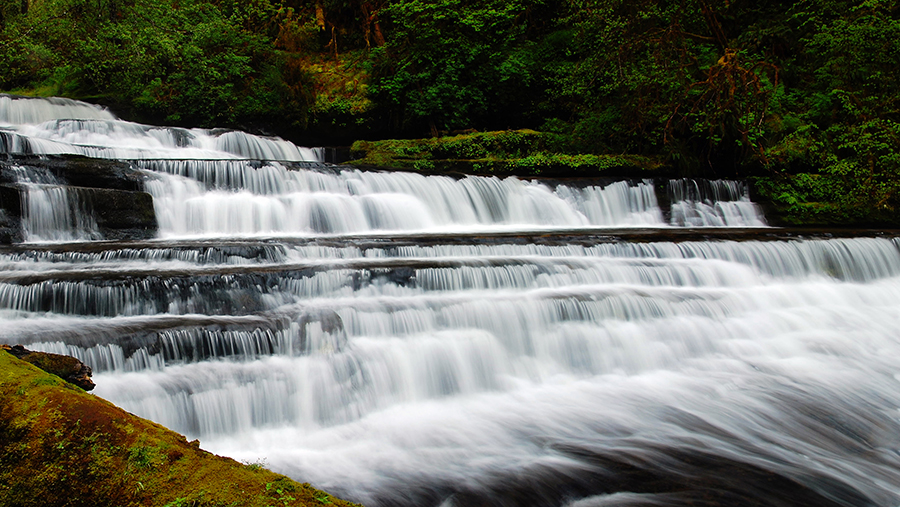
60,446
505,152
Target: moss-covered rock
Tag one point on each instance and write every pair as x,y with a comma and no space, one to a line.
505,152
67,368
60,446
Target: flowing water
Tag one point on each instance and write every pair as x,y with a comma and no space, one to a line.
400,339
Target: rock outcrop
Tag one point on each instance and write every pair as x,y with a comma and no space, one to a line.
67,368
109,191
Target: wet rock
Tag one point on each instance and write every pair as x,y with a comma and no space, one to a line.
108,190
66,367
321,331
10,212
96,173
121,214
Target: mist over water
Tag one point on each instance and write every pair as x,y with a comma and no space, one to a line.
315,319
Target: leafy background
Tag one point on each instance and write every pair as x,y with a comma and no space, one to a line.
802,96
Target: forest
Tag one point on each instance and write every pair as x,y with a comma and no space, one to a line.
802,97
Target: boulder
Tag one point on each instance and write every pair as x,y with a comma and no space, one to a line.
68,368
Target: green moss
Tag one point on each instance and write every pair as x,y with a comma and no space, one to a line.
820,200
502,152
340,87
56,364
62,446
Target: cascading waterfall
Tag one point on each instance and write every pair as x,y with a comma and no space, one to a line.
116,139
242,198
15,110
432,367
400,339
51,211
52,214
238,197
67,127
719,203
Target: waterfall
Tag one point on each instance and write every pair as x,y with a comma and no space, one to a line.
116,139
718,203
68,127
424,364
52,211
242,198
15,110
215,198
402,339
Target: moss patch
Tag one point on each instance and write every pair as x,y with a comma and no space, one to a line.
505,152
65,367
61,446
806,199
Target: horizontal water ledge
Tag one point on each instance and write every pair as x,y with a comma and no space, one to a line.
130,333
582,236
309,267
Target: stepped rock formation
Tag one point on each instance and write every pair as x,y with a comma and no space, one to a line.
430,340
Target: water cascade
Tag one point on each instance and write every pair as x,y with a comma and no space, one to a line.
67,127
700,203
50,210
197,198
16,110
401,339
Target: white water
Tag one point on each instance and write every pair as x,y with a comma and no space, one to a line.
52,212
215,198
382,386
225,198
24,110
482,371
240,198
62,126
719,203
203,184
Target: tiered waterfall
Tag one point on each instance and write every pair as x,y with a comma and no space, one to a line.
401,339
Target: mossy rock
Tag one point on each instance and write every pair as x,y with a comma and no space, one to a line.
67,368
61,446
506,152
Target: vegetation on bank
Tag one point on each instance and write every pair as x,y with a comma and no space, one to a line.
520,152
61,446
804,95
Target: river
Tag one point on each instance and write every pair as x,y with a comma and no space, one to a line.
402,339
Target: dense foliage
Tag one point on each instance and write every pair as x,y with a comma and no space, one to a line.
736,88
455,63
170,61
